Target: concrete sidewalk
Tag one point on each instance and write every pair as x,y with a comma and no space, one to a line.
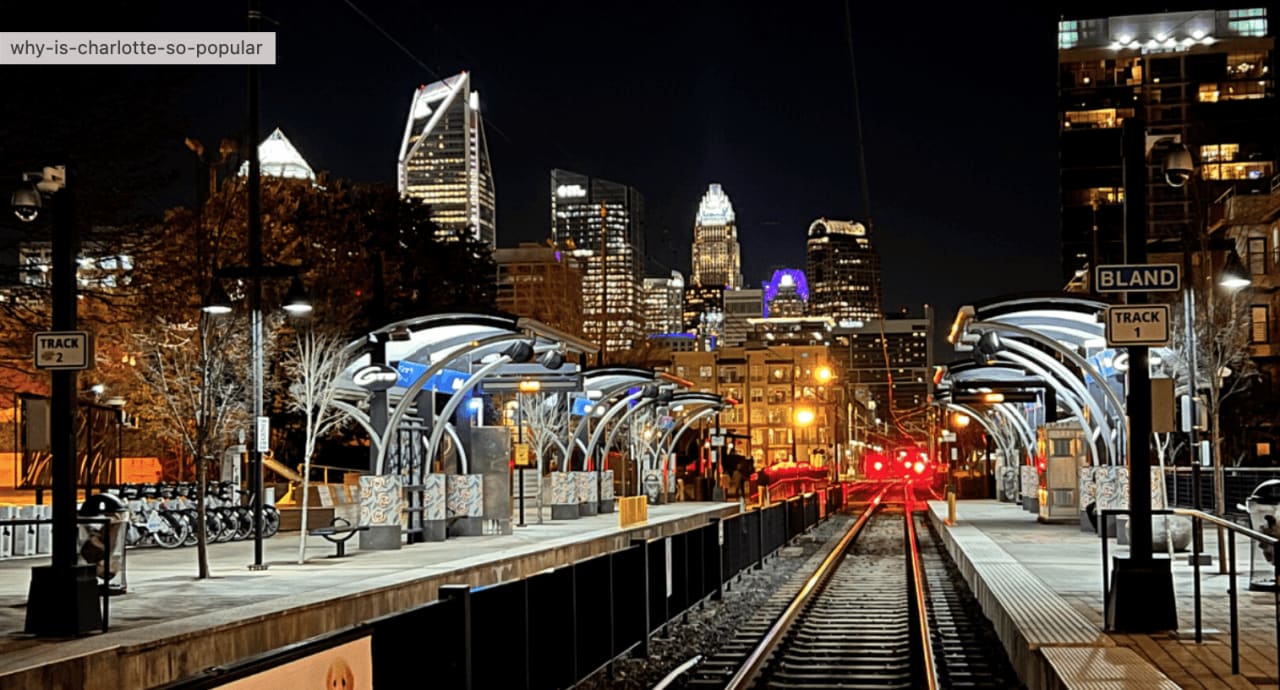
167,607
1069,563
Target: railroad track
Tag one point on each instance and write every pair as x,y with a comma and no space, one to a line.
885,609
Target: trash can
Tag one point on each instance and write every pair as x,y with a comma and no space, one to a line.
1263,507
97,538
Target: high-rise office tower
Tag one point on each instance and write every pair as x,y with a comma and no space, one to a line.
843,270
444,160
739,307
542,283
786,294
1201,79
664,304
717,261
704,313
602,224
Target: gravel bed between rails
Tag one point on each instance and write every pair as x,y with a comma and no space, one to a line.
707,628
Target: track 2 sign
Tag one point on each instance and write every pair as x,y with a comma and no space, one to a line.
63,350
1138,324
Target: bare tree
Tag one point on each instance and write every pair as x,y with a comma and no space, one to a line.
197,389
546,421
313,366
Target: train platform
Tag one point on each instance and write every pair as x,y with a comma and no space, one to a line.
1041,585
171,625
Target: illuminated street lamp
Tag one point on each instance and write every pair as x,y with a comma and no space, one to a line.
803,417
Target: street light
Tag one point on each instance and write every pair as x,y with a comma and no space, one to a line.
1234,276
296,303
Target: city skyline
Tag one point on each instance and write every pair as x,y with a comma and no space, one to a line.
784,164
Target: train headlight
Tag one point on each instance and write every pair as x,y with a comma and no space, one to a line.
919,468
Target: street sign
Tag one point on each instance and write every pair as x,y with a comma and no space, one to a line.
1138,324
263,436
58,350
717,440
1138,278
522,454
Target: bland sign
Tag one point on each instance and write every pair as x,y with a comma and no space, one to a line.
1138,278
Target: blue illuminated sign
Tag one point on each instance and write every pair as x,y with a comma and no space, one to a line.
443,381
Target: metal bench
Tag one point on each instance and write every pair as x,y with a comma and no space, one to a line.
338,532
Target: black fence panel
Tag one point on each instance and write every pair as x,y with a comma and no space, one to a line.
553,646
775,527
811,510
679,599
733,553
630,603
754,522
593,594
499,635
657,583
402,639
795,517
712,564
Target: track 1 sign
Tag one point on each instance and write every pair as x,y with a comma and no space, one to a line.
57,350
1138,324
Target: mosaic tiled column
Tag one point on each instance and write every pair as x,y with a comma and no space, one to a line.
563,495
464,504
1088,495
588,493
434,511
381,503
607,498
1030,488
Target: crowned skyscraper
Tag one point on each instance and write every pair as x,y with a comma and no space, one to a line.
716,258
444,160
843,270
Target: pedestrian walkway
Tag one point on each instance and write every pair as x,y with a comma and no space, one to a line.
171,625
992,541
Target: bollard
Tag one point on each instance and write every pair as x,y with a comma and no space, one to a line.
951,506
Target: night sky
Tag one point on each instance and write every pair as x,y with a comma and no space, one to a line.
958,113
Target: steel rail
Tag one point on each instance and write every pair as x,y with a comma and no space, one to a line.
927,661
755,661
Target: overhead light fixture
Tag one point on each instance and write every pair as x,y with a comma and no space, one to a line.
530,386
216,301
1234,276
296,300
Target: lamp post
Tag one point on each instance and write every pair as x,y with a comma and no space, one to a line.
296,303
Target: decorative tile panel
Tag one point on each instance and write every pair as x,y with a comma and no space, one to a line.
381,500
588,492
465,495
606,485
434,497
563,488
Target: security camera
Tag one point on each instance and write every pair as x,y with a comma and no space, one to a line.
26,204
1178,166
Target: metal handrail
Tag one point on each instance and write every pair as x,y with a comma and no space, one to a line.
747,672
928,662
1232,587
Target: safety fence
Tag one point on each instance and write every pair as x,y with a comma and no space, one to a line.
550,630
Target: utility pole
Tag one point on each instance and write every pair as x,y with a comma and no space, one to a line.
255,295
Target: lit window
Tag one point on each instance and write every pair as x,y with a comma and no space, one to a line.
1208,93
1103,118
1257,256
1219,153
1259,323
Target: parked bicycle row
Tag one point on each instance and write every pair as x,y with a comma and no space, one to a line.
165,515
